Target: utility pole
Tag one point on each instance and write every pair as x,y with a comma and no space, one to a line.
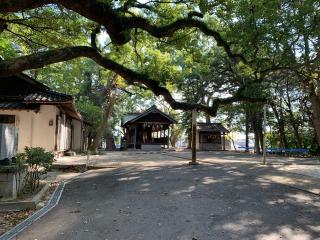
194,137
264,133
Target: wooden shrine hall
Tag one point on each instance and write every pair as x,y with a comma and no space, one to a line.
211,136
149,130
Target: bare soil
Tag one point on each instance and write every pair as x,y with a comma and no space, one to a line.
27,195
10,219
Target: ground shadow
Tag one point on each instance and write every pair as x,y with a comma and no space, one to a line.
179,202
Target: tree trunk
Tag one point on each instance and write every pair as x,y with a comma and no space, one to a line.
261,135
295,130
110,143
175,132
280,124
293,120
207,118
104,123
107,110
234,146
256,122
256,142
315,106
282,131
314,86
247,131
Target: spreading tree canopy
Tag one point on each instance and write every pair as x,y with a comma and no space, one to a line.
220,51
57,31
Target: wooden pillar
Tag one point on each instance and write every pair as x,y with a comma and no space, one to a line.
135,136
224,141
194,137
168,136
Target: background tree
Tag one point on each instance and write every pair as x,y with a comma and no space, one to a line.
233,51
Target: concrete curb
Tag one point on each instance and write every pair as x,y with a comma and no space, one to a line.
97,167
82,167
16,206
37,198
24,205
54,200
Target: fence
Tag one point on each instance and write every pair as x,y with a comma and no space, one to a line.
288,151
8,141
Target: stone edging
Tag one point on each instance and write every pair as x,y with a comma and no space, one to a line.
23,205
54,200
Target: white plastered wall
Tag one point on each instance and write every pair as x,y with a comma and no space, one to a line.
77,135
44,134
34,129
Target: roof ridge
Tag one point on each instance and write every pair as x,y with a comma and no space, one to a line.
59,93
149,110
40,84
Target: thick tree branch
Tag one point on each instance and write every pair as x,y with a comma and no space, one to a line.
93,37
41,59
7,6
118,25
170,29
97,11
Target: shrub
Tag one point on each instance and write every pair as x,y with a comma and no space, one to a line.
39,162
20,164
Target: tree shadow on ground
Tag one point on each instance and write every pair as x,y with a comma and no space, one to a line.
183,202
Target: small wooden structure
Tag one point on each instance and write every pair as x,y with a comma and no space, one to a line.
211,136
149,130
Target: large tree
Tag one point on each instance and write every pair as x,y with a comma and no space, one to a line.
143,41
124,22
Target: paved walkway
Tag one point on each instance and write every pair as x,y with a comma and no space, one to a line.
123,158
136,157
303,173
177,201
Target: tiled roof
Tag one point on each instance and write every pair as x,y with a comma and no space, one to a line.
47,96
22,92
131,118
22,88
18,106
128,118
211,127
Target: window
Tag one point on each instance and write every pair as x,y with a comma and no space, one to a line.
7,119
207,137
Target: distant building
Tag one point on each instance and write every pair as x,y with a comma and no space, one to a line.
211,136
149,130
41,117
